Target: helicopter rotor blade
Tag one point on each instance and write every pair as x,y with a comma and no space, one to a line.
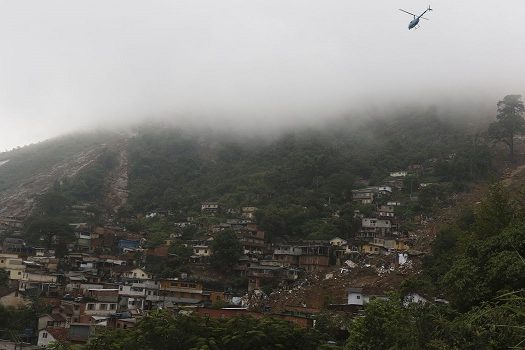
408,12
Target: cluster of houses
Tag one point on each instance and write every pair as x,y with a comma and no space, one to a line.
380,231
103,282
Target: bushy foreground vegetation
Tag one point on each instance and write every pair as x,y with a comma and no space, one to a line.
163,331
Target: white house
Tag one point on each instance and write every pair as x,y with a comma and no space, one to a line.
385,190
338,242
137,273
14,266
399,174
100,309
210,207
47,336
201,250
356,297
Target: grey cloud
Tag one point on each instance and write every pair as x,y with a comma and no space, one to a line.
67,64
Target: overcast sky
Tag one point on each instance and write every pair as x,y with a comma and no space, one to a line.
66,65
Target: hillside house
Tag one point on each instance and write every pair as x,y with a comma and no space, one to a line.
12,264
135,274
38,282
210,207
385,211
13,245
50,335
248,212
175,291
128,245
53,320
372,227
338,242
396,244
399,174
258,274
201,250
359,297
385,190
373,248
364,196
104,304
252,240
134,296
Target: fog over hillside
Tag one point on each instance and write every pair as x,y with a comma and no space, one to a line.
257,65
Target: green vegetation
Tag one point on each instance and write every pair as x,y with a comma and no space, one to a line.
510,122
163,331
85,190
478,264
40,158
4,278
226,250
386,324
16,321
299,180
53,232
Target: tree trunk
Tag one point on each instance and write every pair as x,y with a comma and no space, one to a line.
511,148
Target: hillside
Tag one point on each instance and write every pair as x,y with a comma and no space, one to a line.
28,172
301,181
297,179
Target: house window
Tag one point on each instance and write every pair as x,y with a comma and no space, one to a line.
112,306
91,306
103,306
358,297
44,335
19,273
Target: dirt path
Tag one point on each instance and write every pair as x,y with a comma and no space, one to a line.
117,181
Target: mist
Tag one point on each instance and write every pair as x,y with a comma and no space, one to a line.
248,65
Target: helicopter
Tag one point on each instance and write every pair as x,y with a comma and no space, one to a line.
414,23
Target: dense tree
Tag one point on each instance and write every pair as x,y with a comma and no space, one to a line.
385,325
4,277
510,122
495,212
53,232
226,250
181,252
163,331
